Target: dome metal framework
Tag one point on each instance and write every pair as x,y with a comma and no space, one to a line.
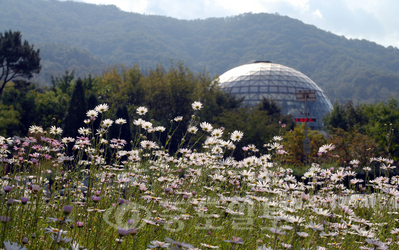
263,79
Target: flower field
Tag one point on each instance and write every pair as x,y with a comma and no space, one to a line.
89,192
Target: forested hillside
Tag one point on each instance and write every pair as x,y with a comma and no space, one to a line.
86,38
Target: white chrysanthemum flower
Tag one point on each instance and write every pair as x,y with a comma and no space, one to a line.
391,191
236,135
303,234
159,128
277,138
4,140
101,108
67,140
55,131
13,245
206,126
217,132
326,148
178,118
138,122
107,122
196,105
84,131
146,125
120,121
92,113
35,129
141,110
148,144
192,129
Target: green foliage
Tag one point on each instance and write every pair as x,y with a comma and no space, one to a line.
377,121
293,144
17,59
64,83
350,145
20,97
258,126
9,119
51,107
346,116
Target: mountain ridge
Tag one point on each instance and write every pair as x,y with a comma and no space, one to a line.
346,69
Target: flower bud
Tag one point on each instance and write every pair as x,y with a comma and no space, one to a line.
67,209
7,189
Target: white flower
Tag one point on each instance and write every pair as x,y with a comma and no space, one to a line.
56,131
4,140
13,245
326,148
158,244
141,110
148,144
391,191
178,118
159,128
236,135
67,140
76,246
35,129
208,246
192,129
92,113
196,105
303,234
84,131
217,133
120,121
107,122
206,126
146,125
101,108
138,122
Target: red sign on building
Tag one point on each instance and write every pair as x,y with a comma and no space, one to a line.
305,120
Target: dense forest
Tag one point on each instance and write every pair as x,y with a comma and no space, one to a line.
87,38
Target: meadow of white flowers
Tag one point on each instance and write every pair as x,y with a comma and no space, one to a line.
90,193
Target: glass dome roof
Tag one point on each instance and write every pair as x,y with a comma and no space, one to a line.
263,79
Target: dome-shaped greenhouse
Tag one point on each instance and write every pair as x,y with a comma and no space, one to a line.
263,79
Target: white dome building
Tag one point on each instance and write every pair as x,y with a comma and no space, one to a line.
263,79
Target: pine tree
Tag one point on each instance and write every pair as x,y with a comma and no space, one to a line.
76,114
17,59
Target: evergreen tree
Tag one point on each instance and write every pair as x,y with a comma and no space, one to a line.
76,114
336,119
271,106
17,59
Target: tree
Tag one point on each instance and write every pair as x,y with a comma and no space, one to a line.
64,82
16,59
76,114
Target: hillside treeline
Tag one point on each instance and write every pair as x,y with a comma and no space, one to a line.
86,38
360,131
166,93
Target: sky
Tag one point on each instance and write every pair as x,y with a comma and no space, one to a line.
373,20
